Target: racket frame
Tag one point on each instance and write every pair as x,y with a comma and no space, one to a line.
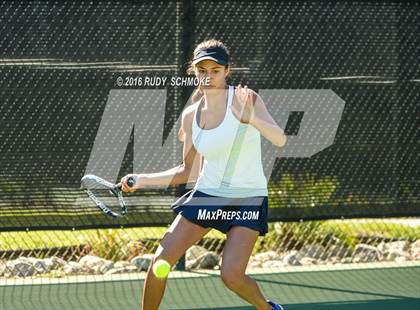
114,189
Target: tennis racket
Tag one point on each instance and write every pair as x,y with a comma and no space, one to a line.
103,194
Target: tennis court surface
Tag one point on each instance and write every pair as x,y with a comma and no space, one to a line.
365,286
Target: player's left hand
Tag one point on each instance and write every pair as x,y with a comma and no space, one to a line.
244,103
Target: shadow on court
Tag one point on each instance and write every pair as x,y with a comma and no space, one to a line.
400,304
332,289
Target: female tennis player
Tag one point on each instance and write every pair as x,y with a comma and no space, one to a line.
222,126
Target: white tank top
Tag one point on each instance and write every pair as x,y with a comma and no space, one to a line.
232,157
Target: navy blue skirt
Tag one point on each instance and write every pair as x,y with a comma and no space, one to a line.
223,213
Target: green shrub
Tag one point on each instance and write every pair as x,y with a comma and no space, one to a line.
301,191
112,244
293,236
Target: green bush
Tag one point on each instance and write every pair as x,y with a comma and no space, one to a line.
115,245
301,191
293,236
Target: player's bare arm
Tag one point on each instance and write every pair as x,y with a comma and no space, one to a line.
184,173
249,108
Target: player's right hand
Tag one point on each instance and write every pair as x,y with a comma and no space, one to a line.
124,186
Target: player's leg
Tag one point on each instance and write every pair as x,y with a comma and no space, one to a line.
179,237
236,253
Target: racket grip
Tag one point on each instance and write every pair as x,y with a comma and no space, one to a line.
131,181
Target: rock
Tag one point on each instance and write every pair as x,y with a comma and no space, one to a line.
131,269
313,251
194,252
49,263
208,260
365,253
255,264
340,251
400,259
92,263
103,267
198,257
58,261
39,265
142,262
96,264
322,262
399,245
266,256
383,247
2,268
29,259
54,262
334,260
346,260
395,246
205,261
394,254
20,267
273,264
307,261
115,270
392,250
292,259
415,244
415,250
122,264
72,268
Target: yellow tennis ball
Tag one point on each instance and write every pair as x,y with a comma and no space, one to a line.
161,268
